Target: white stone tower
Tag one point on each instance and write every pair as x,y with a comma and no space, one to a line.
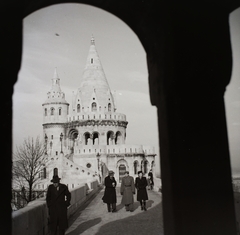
55,112
90,140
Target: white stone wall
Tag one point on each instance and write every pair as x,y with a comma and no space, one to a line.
56,118
53,132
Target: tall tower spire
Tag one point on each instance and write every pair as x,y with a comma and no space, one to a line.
55,94
56,81
94,80
92,40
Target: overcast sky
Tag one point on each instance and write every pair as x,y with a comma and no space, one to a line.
59,36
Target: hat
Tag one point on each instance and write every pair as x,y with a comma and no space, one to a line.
55,179
140,172
110,172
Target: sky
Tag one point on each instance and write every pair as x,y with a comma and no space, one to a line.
59,36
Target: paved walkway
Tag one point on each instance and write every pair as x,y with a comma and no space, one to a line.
94,218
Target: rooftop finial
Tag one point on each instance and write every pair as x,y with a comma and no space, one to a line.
92,40
55,73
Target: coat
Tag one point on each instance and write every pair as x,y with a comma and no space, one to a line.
151,177
110,191
57,205
141,184
127,190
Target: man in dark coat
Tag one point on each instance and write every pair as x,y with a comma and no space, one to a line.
150,177
141,184
127,190
58,199
109,196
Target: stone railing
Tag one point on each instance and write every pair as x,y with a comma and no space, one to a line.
33,219
97,116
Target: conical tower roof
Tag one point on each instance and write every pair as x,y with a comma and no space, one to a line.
55,94
94,79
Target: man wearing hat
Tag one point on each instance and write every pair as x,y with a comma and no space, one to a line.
109,196
127,190
58,199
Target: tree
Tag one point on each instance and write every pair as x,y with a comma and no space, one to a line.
29,167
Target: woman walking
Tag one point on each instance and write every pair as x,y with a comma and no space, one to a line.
110,192
141,184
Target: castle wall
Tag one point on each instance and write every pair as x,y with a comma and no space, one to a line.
55,112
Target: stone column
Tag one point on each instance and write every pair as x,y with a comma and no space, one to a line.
189,68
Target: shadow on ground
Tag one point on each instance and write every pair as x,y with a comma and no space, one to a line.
85,226
147,222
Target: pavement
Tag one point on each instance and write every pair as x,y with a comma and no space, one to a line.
93,217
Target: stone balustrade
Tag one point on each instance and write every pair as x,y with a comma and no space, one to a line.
97,116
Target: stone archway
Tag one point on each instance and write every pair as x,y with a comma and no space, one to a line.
118,138
95,137
183,34
87,138
110,137
121,167
72,136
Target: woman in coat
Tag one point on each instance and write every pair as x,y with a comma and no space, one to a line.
109,196
58,199
127,190
141,184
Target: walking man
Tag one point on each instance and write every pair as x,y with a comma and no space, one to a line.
58,199
109,196
150,177
127,190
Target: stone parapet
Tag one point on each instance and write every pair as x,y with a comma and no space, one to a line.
97,116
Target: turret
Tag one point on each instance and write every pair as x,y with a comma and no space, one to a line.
55,111
55,108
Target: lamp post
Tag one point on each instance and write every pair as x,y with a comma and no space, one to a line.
61,137
98,159
46,139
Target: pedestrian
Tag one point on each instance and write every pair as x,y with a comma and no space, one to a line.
149,182
58,199
127,190
109,196
150,174
141,184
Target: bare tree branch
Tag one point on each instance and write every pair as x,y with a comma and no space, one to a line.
30,160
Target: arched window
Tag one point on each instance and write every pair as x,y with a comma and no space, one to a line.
135,165
95,138
145,167
94,106
78,108
52,111
60,112
109,107
45,111
87,138
44,173
109,138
